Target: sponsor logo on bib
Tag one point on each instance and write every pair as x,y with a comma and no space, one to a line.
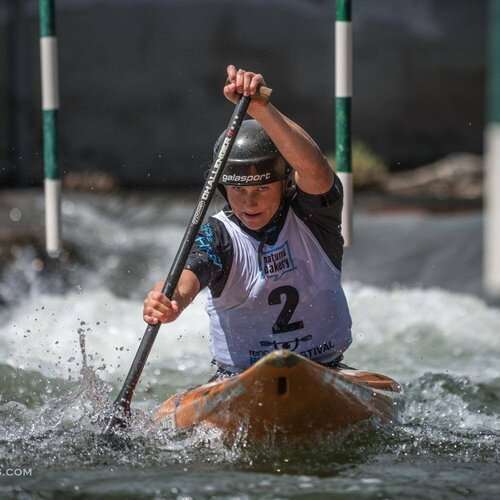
292,345
276,262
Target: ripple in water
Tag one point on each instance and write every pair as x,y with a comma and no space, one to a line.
67,341
52,409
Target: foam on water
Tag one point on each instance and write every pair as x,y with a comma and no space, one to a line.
443,347
403,333
423,338
406,332
43,334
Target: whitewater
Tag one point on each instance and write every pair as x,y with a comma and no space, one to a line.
69,331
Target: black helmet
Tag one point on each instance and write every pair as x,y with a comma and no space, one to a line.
254,159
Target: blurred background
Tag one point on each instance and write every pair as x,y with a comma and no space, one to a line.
141,80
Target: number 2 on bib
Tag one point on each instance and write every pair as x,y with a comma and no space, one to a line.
282,324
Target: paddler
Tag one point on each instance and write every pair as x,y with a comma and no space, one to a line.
271,259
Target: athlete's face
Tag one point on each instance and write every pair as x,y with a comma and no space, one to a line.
255,205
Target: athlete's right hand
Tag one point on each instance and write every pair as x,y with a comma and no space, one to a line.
158,308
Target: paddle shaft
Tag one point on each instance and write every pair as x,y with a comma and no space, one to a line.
122,402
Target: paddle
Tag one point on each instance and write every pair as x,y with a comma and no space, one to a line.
121,406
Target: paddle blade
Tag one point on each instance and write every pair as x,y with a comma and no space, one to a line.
119,418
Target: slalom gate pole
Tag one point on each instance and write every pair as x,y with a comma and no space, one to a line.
492,159
343,97
50,107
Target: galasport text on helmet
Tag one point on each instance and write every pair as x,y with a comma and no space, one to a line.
254,159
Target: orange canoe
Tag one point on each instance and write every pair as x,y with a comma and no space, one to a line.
284,395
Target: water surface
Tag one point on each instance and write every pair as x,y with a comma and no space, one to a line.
68,334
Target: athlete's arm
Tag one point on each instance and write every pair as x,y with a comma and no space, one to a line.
313,173
159,309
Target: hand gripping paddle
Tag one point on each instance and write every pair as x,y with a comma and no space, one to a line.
121,406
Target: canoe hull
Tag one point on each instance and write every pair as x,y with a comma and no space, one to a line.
285,395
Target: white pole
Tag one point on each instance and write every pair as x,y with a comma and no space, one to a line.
492,222
492,163
50,107
343,97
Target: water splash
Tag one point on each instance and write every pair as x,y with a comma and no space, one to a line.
66,344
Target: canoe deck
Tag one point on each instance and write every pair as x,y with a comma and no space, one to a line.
284,395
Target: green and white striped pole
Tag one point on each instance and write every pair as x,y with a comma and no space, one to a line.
343,96
50,106
492,157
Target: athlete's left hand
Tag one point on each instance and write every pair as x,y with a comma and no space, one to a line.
240,82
